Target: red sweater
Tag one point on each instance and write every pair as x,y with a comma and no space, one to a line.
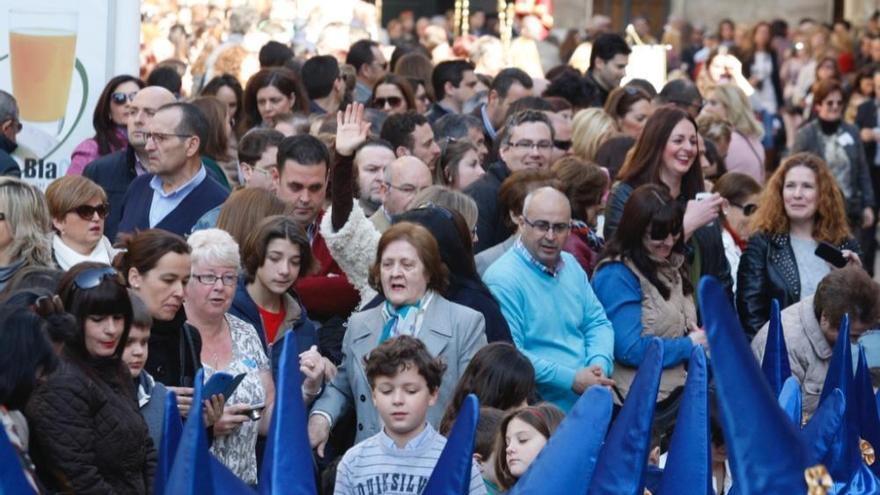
327,293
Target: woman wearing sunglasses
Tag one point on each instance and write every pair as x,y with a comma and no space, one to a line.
78,208
741,194
642,281
393,94
110,121
801,206
86,431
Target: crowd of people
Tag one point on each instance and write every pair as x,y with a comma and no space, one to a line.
429,222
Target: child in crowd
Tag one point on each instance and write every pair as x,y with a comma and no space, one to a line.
522,435
150,393
484,445
405,382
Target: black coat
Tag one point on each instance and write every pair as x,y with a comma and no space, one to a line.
491,228
114,173
768,270
866,118
8,166
87,434
175,352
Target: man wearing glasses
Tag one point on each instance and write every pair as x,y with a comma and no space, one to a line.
405,177
526,142
555,318
178,190
10,126
116,171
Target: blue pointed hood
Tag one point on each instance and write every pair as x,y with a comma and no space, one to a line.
12,478
621,467
844,456
195,470
821,430
287,461
869,421
570,456
766,452
452,473
172,430
791,401
775,364
689,461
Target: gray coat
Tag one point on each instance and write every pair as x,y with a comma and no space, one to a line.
450,331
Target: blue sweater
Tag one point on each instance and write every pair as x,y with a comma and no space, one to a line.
139,198
619,291
557,322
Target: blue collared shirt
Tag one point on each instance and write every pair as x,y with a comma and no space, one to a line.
415,444
362,93
521,249
164,203
487,123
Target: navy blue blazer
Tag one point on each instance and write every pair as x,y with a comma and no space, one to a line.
139,199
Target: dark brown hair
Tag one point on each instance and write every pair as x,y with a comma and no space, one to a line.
823,89
736,186
621,99
645,161
105,128
544,417
451,153
216,145
849,290
253,251
287,82
144,249
515,188
398,354
426,247
583,182
649,208
403,84
487,431
244,208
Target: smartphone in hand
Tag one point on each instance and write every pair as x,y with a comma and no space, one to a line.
831,254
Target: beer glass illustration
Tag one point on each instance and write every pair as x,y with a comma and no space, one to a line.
42,48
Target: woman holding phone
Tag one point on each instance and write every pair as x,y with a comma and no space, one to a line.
801,207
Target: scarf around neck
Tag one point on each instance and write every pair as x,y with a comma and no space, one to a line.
405,320
66,257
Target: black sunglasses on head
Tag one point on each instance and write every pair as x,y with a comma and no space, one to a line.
748,209
562,145
91,278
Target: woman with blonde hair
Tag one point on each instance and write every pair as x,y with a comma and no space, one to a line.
801,206
24,228
78,208
589,129
745,153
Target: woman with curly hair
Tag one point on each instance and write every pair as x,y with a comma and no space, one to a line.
801,206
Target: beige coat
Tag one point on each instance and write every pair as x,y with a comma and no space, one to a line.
809,352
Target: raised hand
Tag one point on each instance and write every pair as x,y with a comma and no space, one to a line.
351,129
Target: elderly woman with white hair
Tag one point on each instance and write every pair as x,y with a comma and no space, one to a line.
232,346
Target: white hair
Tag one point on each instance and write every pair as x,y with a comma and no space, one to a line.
214,247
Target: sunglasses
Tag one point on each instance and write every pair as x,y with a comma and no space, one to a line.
122,98
87,212
93,277
748,209
659,232
562,145
393,101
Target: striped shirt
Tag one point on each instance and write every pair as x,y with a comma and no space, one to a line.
377,466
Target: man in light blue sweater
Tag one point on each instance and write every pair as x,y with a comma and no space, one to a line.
555,318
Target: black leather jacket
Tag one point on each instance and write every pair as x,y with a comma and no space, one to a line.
767,271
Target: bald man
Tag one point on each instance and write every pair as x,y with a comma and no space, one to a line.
405,177
555,318
114,172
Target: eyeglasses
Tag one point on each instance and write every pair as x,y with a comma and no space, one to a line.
211,279
161,137
562,145
392,101
87,212
833,103
121,98
405,188
747,209
91,278
528,145
544,226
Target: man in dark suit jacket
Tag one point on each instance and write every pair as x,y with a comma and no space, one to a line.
508,86
9,128
179,191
